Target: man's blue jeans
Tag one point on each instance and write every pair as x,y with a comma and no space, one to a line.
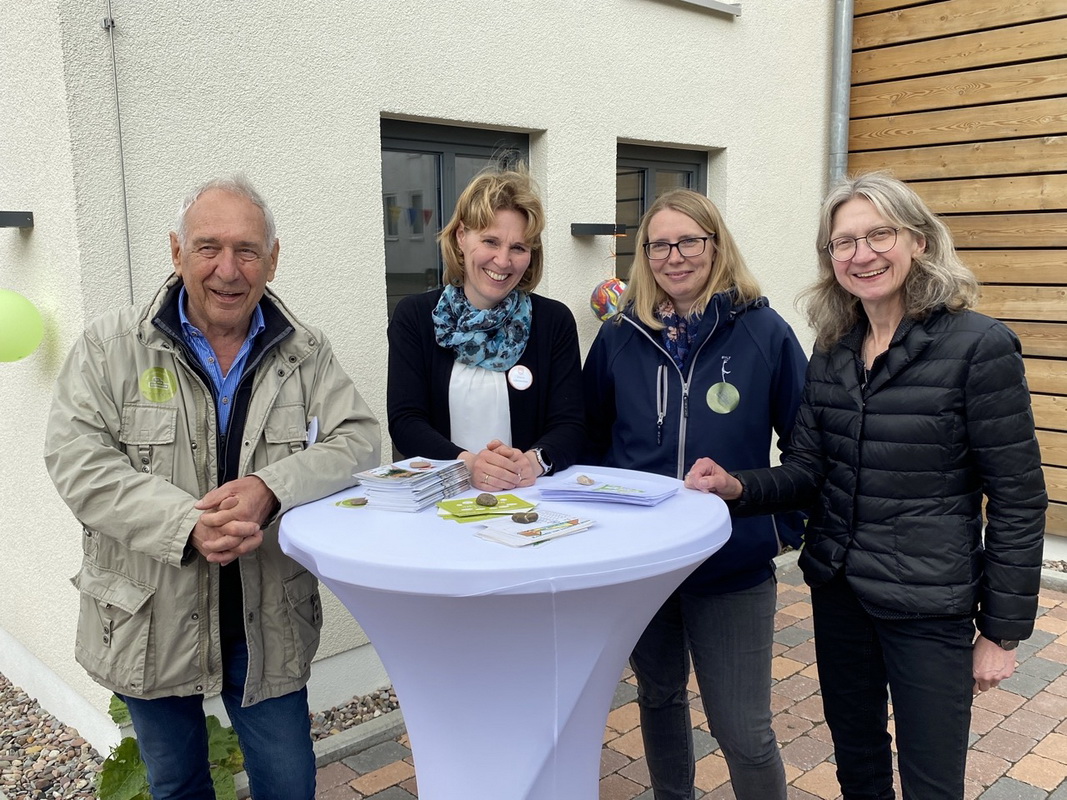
730,637
275,737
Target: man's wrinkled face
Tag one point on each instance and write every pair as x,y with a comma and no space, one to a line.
225,262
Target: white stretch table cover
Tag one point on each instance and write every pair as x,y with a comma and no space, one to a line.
505,659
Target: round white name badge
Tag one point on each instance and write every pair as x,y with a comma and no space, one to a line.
520,377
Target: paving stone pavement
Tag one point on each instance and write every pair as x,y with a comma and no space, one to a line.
1018,732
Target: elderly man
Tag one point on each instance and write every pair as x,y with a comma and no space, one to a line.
178,434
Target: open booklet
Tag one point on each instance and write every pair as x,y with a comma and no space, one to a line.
597,488
549,525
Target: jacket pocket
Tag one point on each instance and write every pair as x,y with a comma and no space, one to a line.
148,433
936,550
286,430
113,626
304,608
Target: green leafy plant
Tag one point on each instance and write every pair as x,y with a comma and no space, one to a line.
125,777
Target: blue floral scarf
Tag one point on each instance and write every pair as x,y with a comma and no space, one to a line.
678,332
493,338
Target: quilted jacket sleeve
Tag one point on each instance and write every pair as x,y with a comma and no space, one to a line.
1000,428
795,484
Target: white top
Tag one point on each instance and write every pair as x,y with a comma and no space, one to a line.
424,554
478,407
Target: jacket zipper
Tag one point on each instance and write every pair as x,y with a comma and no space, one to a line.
661,401
661,391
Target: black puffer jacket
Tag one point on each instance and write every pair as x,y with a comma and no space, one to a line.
895,474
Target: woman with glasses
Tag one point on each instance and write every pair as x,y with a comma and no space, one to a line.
698,364
484,370
915,413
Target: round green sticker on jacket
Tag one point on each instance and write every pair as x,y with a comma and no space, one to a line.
158,384
723,397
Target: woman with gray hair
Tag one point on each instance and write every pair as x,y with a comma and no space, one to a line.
915,412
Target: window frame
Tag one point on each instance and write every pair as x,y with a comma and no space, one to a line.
650,158
446,144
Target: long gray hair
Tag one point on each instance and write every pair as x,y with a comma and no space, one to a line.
937,277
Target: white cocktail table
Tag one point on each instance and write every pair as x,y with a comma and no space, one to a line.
505,660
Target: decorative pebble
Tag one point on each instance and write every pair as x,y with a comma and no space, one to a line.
585,480
486,499
524,516
420,465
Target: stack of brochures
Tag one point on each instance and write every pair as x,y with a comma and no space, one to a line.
413,484
591,487
549,525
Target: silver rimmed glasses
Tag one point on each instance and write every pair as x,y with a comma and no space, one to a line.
880,240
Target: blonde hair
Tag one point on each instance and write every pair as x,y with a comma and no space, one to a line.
490,191
728,271
937,277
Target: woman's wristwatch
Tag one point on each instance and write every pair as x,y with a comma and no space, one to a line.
539,454
1005,644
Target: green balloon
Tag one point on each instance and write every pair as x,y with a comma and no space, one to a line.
21,328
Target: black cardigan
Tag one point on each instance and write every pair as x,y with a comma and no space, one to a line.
897,470
549,414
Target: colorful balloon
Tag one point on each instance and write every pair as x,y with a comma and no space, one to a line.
21,328
605,298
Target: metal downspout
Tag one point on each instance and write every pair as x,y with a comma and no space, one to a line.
109,25
840,88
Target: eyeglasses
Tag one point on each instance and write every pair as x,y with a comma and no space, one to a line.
687,248
880,240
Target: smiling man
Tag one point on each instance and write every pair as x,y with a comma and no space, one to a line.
179,432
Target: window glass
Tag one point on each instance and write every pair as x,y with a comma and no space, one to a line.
415,215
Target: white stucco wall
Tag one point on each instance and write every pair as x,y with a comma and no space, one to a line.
38,538
294,95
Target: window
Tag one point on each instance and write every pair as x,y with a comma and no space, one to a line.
429,165
641,175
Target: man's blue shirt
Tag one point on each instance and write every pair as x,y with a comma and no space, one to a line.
225,386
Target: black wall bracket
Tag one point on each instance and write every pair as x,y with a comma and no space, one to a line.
16,219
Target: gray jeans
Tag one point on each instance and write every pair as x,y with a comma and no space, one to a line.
729,637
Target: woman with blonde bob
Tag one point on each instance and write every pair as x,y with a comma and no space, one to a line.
915,413
484,370
697,363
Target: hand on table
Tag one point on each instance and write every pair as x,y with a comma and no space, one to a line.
498,468
992,664
526,463
707,476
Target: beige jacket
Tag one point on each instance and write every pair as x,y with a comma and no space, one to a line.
132,445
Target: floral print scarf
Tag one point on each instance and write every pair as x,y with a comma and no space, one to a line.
678,332
493,338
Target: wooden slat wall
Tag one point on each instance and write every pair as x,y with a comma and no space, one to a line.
967,101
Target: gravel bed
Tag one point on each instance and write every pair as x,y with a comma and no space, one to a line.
39,756
357,710
42,759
